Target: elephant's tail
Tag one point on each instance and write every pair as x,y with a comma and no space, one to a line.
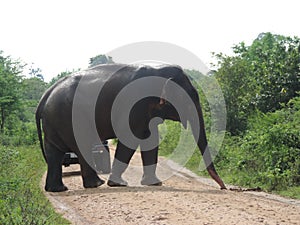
38,118
39,115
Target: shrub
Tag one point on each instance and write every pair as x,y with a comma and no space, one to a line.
21,199
268,154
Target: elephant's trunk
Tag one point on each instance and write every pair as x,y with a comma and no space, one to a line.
201,140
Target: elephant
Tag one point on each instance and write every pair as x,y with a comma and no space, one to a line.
55,119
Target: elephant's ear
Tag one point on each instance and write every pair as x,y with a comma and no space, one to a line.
164,93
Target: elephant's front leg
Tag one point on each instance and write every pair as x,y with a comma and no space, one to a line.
149,166
122,158
149,154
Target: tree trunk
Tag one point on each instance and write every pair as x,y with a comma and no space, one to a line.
2,122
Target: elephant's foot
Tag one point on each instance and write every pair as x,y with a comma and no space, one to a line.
59,188
116,182
92,183
151,181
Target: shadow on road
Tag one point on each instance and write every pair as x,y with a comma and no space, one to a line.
107,190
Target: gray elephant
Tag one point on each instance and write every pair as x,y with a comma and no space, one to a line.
55,113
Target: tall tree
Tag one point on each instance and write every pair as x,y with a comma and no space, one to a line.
261,76
276,66
33,88
10,84
235,78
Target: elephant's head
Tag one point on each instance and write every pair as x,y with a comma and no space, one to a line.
191,105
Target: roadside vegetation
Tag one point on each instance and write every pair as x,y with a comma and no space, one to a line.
261,87
21,162
22,200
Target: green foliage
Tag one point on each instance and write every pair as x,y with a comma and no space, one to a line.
61,75
211,100
35,72
10,85
32,89
276,66
261,76
268,154
261,85
100,59
20,126
291,192
21,168
21,199
171,130
23,133
236,80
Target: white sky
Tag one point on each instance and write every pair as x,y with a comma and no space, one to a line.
61,34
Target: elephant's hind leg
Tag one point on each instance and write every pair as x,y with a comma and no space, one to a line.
89,176
54,174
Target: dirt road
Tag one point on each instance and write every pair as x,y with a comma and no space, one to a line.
183,199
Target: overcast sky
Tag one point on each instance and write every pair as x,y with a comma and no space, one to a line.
61,35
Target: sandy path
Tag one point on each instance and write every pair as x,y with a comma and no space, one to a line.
183,199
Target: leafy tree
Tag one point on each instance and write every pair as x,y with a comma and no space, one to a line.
33,88
61,75
276,67
211,101
261,76
31,92
10,85
100,59
236,80
35,72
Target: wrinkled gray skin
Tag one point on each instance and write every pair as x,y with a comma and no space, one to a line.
54,113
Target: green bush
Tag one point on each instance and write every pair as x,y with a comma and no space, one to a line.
268,155
21,198
23,134
171,132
